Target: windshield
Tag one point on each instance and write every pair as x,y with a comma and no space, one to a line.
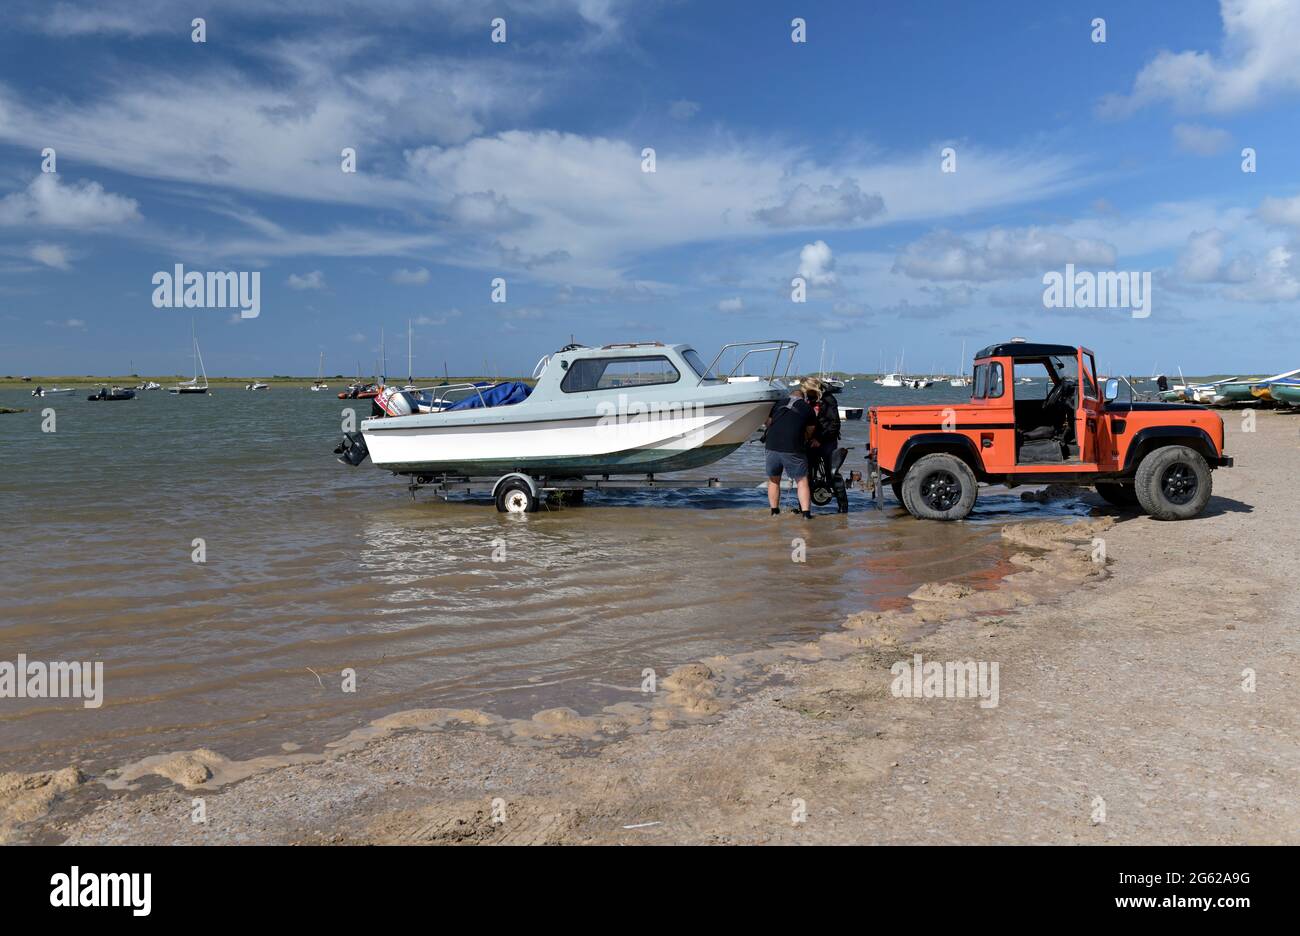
697,364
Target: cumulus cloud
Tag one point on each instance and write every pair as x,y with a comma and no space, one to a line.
828,206
483,210
313,280
47,201
1000,253
51,255
1284,212
1201,140
1269,275
1258,57
817,264
731,304
404,277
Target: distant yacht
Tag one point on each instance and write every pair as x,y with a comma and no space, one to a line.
196,385
320,383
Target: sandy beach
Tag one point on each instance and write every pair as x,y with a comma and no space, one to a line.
1144,696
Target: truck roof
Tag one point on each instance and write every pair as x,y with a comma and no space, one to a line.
1026,349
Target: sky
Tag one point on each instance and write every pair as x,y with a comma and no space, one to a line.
919,167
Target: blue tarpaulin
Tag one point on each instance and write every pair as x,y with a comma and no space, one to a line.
503,394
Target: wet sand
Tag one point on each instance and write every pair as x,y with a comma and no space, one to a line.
1121,718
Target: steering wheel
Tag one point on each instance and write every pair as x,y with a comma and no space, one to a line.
1058,394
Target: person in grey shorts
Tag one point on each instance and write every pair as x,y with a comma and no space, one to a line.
790,425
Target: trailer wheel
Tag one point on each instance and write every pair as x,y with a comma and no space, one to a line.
516,497
940,487
1123,496
1173,483
822,493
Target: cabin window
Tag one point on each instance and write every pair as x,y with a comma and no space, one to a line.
697,364
587,374
1090,378
995,380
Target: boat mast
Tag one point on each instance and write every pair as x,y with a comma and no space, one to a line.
410,381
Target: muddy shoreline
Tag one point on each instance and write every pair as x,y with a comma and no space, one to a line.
1121,718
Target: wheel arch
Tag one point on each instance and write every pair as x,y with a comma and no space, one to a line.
1145,441
934,443
527,479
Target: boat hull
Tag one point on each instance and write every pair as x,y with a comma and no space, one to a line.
1285,394
675,440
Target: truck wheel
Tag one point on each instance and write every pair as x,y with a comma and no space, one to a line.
1123,496
1173,483
515,497
940,487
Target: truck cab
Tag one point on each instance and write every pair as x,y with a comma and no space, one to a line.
1040,413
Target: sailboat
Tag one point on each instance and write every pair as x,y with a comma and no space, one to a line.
194,385
961,380
410,379
320,383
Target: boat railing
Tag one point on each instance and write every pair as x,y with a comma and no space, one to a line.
778,347
444,389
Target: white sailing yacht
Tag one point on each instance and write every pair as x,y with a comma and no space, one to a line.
961,380
195,385
320,383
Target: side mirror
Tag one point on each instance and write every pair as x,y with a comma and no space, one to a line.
1112,390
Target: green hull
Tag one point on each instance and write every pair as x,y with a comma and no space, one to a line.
1236,392
1287,394
631,462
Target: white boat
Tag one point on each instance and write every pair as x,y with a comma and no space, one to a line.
197,384
850,412
257,385
961,380
890,380
320,383
149,385
53,391
621,409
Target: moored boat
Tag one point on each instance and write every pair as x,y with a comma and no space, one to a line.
107,395
53,391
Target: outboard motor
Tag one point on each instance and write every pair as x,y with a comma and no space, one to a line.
352,450
1163,382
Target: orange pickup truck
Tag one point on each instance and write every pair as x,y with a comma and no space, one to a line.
1038,414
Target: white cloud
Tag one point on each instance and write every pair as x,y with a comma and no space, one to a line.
1258,57
66,323
817,264
313,280
731,304
147,17
404,277
1281,211
999,253
1269,275
828,206
51,255
589,211
683,110
357,338
47,201
1201,140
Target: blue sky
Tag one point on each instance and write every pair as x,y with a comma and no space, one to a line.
522,160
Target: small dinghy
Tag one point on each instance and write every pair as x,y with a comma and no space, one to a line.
53,391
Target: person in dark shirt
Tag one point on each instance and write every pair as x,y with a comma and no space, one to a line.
826,436
790,425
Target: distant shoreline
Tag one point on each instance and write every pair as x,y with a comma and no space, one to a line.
124,380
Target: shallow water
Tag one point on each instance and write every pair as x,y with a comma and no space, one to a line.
313,567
